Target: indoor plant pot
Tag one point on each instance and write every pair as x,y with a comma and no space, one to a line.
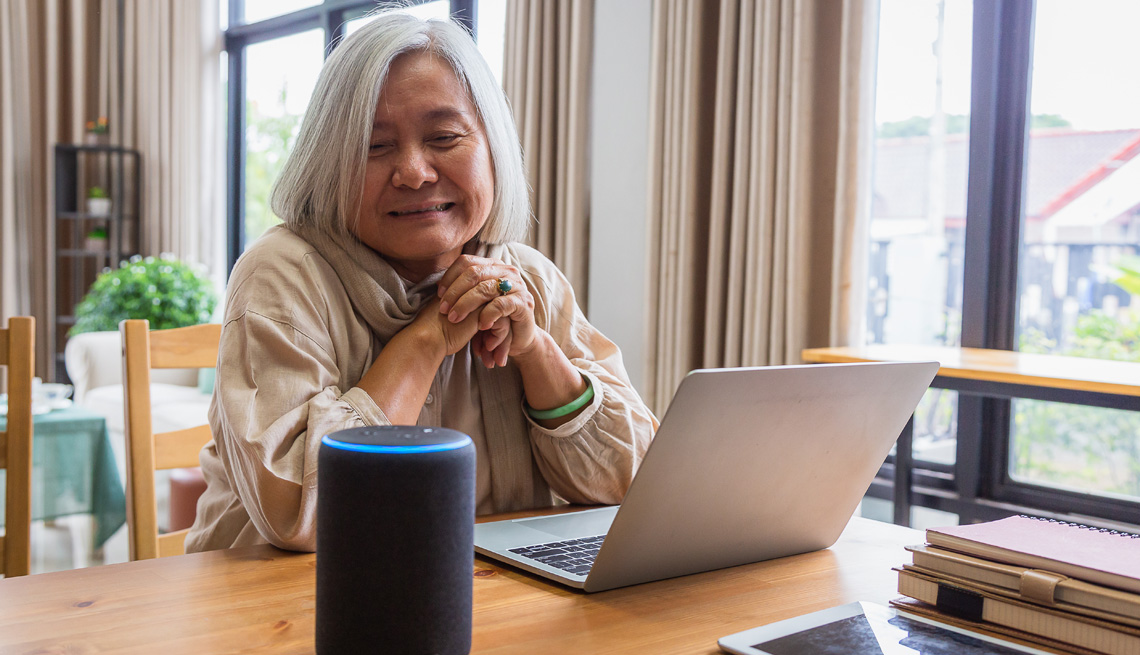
96,240
98,203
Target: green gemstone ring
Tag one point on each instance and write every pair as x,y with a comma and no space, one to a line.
505,286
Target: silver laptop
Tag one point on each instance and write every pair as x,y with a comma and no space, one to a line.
749,464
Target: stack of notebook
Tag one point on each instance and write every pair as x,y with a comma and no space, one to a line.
1058,584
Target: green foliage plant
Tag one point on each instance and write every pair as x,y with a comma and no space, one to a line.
1128,274
97,192
1077,447
270,134
167,292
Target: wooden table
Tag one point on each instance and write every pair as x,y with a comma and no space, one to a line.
999,374
1008,374
261,600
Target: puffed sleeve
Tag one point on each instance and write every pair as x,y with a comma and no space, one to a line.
591,459
286,374
278,394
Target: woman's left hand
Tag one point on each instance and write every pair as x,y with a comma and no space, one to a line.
506,318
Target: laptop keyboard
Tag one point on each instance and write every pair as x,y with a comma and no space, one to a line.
574,556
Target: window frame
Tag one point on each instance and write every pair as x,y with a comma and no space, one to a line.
330,16
978,487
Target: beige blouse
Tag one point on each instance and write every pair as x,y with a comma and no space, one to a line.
293,348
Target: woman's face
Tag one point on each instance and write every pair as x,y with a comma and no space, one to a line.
429,182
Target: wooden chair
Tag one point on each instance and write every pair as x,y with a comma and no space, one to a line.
145,349
17,352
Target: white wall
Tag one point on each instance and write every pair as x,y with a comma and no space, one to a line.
619,145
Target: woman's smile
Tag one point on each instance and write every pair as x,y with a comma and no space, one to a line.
433,210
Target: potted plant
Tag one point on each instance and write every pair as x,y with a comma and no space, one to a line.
167,292
96,239
96,132
98,202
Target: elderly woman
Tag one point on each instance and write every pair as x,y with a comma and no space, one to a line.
395,293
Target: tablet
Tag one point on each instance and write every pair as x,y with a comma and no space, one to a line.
865,629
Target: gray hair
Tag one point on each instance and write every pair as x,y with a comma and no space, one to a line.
322,180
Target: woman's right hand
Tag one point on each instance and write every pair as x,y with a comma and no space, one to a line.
450,337
402,374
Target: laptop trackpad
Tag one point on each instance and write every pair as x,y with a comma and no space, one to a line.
574,524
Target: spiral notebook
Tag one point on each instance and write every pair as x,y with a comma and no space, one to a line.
1100,556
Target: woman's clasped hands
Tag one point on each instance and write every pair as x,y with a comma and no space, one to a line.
486,301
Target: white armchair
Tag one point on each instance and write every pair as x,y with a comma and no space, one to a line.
95,359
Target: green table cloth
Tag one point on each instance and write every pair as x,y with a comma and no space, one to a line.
74,471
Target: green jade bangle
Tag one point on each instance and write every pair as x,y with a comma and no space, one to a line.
568,408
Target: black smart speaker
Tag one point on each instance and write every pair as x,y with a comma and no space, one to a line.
395,541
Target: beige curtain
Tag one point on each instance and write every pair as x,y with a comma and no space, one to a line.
59,69
546,75
759,137
173,114
49,81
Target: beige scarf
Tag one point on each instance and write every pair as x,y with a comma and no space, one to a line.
378,294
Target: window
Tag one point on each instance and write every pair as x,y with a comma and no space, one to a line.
275,99
254,11
918,206
1079,240
1006,214
274,52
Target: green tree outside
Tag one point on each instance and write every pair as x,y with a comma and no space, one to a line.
269,136
1082,448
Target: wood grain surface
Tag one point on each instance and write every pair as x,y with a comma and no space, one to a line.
261,600
1053,371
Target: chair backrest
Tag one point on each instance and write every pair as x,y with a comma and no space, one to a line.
17,353
145,349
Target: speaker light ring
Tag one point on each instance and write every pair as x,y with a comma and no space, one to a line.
409,449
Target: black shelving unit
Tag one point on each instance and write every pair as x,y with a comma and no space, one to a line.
77,261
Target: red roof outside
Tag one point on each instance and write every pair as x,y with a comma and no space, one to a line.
1063,165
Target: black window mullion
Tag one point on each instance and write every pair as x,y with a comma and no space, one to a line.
273,28
334,30
235,144
237,11
1003,34
1002,52
1062,501
332,20
465,13
235,156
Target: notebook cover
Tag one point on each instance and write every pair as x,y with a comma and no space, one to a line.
1070,594
1056,625
1090,554
929,611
